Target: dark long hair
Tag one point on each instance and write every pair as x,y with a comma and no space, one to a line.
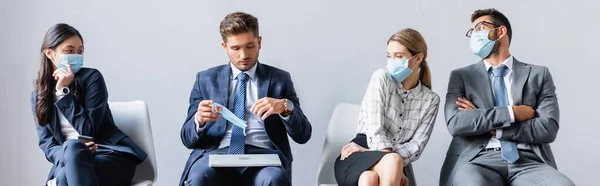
45,83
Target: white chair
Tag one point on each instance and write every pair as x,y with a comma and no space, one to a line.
341,129
133,118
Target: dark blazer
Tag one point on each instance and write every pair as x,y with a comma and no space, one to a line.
89,114
532,85
213,84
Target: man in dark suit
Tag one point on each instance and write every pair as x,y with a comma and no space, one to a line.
503,114
260,94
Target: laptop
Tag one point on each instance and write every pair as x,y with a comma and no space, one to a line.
243,160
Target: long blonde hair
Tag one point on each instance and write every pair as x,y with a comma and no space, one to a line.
415,43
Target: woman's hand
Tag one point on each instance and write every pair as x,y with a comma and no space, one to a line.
351,148
93,146
386,150
63,76
404,180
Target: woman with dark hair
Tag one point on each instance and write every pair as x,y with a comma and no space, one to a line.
74,123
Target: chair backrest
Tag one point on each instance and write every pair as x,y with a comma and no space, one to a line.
341,130
133,118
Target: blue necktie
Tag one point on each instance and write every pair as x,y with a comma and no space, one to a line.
509,149
238,140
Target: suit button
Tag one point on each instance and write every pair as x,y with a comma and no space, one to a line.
400,115
62,110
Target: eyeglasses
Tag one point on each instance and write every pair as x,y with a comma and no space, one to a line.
479,27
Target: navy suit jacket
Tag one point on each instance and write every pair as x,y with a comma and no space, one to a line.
213,84
89,114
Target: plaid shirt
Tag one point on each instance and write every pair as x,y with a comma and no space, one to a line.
392,117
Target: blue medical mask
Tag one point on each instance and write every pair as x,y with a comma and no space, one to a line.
229,116
480,44
74,60
398,68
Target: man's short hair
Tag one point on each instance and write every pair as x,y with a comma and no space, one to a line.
238,23
497,17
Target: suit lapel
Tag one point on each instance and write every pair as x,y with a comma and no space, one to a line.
224,80
482,81
264,78
520,75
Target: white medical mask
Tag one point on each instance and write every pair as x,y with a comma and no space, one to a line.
398,68
73,60
229,116
480,44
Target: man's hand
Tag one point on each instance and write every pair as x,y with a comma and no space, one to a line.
465,104
351,148
93,146
205,113
523,112
266,106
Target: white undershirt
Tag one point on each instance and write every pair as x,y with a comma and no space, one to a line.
66,128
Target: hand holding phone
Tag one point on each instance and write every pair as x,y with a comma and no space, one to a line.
89,142
85,139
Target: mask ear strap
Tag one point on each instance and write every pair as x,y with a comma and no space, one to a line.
497,29
417,64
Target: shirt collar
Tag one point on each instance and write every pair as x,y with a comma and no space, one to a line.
508,62
235,71
412,93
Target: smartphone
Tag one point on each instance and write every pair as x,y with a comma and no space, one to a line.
85,139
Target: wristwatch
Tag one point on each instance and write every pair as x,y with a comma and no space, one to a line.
62,92
289,107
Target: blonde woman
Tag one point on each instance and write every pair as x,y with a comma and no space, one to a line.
396,118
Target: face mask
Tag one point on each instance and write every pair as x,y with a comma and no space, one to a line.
74,60
229,116
398,68
480,44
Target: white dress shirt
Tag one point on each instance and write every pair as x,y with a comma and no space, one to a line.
508,79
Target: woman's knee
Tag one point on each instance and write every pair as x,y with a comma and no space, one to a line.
391,162
368,178
393,159
75,150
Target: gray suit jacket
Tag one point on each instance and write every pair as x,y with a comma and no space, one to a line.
532,85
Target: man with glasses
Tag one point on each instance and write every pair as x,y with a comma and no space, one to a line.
502,114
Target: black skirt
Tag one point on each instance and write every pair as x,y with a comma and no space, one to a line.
348,172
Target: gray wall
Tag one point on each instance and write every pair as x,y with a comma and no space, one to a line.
151,50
